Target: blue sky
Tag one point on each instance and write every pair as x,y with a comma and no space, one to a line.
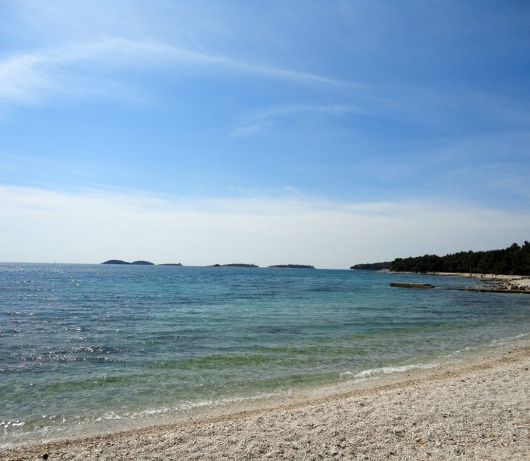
318,106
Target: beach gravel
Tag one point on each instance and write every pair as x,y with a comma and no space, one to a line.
477,410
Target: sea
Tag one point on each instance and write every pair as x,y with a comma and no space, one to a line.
92,348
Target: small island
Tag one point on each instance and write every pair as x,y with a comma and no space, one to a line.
135,263
293,266
234,265
171,264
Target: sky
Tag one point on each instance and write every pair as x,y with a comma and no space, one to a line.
267,132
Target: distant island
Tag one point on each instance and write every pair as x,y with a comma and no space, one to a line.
293,266
513,260
372,266
136,263
171,264
234,265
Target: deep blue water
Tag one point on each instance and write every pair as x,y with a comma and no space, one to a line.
84,344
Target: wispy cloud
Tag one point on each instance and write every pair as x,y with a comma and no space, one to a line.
90,226
261,120
22,78
30,77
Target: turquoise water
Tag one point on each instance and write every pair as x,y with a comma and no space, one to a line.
82,345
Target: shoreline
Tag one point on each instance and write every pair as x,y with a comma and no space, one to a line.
327,426
503,282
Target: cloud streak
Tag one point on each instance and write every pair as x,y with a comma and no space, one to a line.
261,120
42,226
30,77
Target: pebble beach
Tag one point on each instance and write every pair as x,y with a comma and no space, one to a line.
477,408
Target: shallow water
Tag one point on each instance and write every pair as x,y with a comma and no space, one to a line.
82,345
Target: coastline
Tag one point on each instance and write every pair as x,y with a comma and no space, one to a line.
475,407
507,282
500,281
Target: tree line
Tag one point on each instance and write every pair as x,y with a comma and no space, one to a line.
512,260
372,266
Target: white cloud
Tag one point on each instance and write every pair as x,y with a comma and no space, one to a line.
40,225
30,77
22,79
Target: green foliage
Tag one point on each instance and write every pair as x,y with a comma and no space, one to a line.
372,266
512,260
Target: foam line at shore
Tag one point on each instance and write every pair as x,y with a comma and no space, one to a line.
393,370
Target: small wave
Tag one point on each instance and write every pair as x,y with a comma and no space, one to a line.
508,339
5,424
20,313
392,370
322,289
186,406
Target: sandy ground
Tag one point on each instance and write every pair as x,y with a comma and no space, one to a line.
478,409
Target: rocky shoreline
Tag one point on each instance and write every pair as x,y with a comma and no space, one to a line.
499,281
